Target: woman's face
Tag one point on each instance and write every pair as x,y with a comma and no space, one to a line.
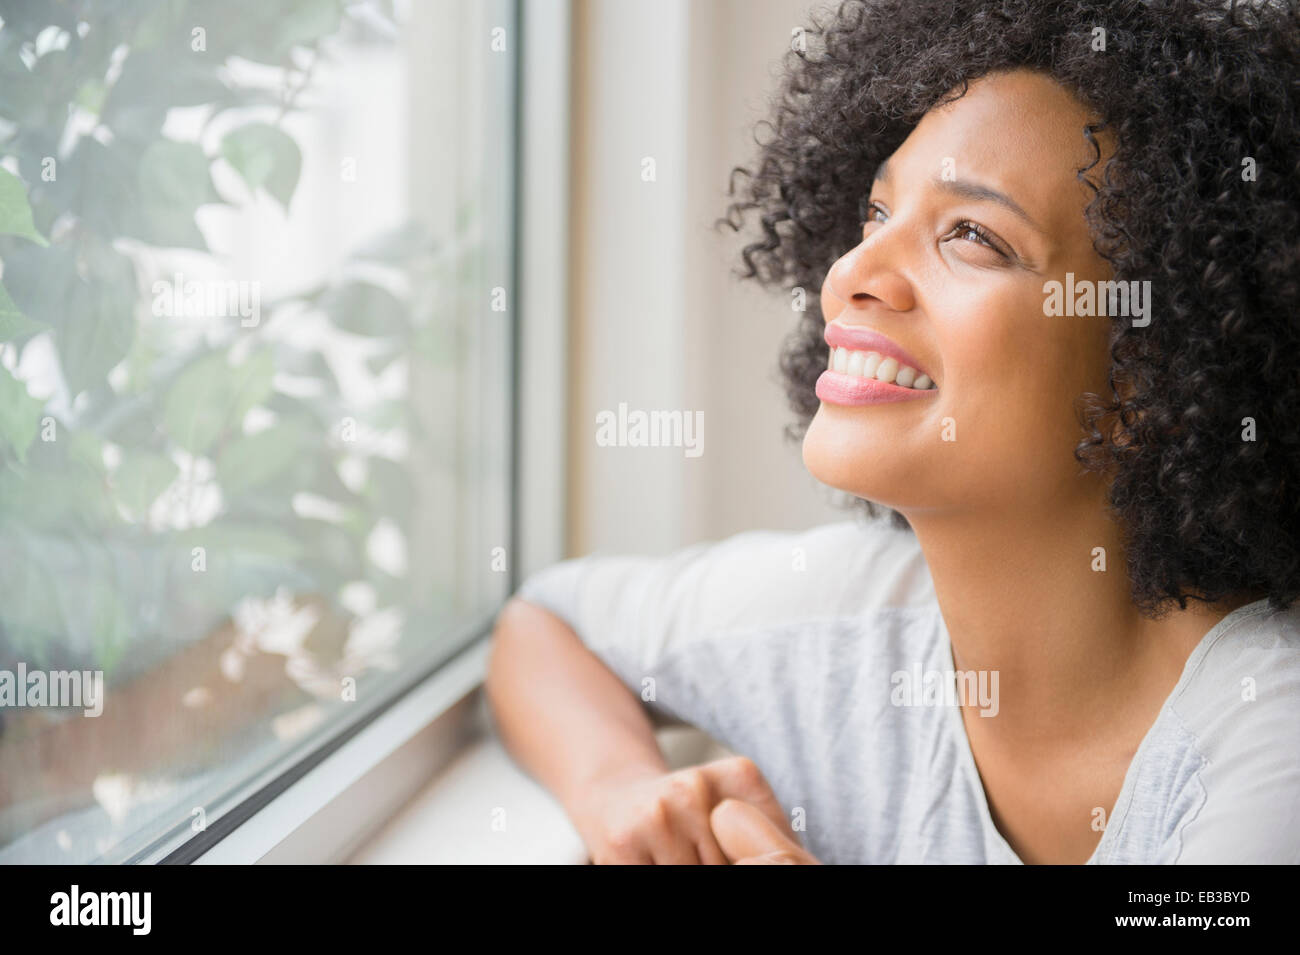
952,275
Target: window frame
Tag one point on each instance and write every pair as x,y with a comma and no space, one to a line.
323,805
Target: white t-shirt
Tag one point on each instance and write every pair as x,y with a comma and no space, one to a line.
789,648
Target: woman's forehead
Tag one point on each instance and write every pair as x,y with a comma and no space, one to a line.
1020,133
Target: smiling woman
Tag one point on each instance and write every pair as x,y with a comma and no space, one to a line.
1093,511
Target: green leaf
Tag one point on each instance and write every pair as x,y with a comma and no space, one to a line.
306,363
54,500
141,477
91,95
304,22
252,382
157,26
69,452
365,309
266,157
253,459
176,173
198,404
111,630
153,82
174,180
19,414
40,279
99,184
255,544
210,395
252,564
15,210
98,327
14,325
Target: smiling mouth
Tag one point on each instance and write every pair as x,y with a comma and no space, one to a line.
873,366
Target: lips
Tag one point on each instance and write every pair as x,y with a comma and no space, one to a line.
858,338
866,368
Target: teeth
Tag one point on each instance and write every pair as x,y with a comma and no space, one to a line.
871,364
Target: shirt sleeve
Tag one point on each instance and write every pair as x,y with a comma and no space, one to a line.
633,612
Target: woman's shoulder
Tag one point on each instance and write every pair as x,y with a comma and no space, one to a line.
1239,711
1248,666
753,582
844,567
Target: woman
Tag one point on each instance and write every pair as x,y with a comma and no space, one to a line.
1057,345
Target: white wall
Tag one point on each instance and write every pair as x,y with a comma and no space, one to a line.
657,319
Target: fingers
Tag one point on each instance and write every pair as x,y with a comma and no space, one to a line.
747,834
690,798
710,852
667,820
663,821
696,847
620,851
690,795
739,778
743,831
668,845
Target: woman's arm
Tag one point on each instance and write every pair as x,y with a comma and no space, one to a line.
573,724
561,713
572,649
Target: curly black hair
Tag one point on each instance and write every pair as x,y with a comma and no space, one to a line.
1201,196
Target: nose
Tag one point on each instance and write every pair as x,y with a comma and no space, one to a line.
869,273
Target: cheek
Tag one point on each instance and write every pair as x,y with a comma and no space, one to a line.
1015,382
1005,411
830,305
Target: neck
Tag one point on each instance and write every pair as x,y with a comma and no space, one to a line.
1025,593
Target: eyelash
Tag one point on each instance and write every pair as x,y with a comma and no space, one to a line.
962,227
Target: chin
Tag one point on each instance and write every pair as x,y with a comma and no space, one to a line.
837,454
841,453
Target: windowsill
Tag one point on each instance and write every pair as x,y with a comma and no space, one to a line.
451,820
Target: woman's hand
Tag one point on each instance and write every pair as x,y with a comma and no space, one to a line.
748,837
646,816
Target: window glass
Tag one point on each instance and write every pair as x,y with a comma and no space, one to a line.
255,384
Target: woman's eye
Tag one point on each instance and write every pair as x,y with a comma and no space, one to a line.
965,230
971,232
868,211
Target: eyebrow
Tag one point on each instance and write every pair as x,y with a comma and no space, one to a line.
969,190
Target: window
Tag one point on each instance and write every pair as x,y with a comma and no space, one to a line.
255,391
